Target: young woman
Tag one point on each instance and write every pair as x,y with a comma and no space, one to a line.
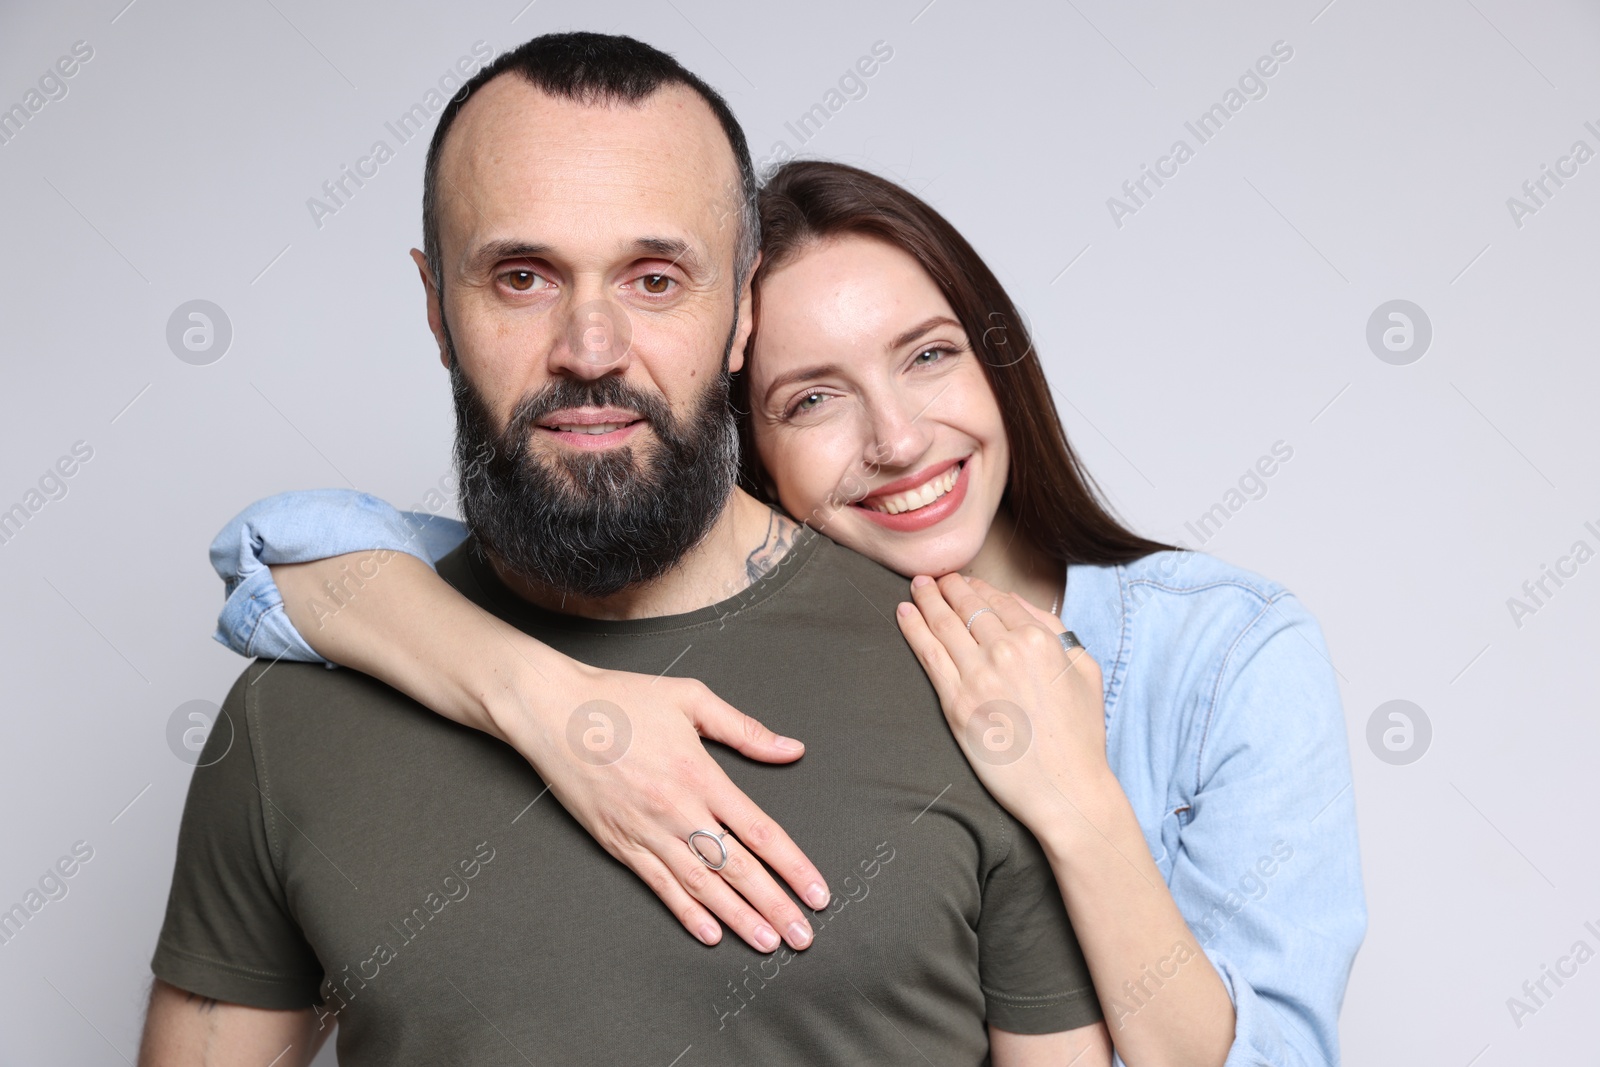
1190,782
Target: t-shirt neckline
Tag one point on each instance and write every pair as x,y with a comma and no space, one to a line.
518,610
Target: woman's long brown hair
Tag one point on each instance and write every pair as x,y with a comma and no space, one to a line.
1052,499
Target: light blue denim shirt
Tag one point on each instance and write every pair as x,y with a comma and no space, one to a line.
1223,725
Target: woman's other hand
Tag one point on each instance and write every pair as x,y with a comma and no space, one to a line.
1029,715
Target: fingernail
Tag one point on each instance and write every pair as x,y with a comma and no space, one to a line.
788,744
905,607
817,896
799,934
921,580
765,939
708,934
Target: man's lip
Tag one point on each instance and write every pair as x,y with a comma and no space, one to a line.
582,439
910,481
587,417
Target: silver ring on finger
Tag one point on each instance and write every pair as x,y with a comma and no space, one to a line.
974,617
722,849
1069,641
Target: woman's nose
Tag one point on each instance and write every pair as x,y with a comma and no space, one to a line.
900,436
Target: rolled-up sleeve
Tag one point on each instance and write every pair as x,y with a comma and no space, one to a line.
299,527
1267,872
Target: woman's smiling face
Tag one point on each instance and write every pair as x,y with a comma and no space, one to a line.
870,410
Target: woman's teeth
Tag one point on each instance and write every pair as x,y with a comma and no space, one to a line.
920,497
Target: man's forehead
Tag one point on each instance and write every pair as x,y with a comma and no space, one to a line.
517,151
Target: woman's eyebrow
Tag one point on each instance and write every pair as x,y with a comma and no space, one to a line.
822,370
920,329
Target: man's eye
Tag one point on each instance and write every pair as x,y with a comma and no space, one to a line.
521,281
656,284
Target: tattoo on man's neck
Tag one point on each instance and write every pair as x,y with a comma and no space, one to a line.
781,532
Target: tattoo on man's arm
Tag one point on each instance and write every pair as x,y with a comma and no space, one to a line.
202,1004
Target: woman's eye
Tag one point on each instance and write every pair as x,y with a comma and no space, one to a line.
809,402
656,284
521,281
929,355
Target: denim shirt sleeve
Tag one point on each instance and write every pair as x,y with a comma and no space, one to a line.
1267,871
296,528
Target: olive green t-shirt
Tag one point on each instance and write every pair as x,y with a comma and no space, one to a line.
344,847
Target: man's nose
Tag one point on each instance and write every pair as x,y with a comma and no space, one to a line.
596,340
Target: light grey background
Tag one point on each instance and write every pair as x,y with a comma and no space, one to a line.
1228,313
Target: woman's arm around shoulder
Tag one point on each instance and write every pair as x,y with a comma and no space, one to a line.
382,609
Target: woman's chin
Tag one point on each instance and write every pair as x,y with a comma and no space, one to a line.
933,552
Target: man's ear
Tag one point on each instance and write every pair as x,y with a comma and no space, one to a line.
747,320
435,311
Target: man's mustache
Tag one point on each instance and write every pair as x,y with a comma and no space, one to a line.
565,393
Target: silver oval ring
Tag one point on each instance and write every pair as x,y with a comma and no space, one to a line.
974,617
723,849
1069,641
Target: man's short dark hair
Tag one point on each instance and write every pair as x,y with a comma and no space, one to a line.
595,68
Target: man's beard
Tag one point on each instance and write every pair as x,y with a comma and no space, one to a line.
592,524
